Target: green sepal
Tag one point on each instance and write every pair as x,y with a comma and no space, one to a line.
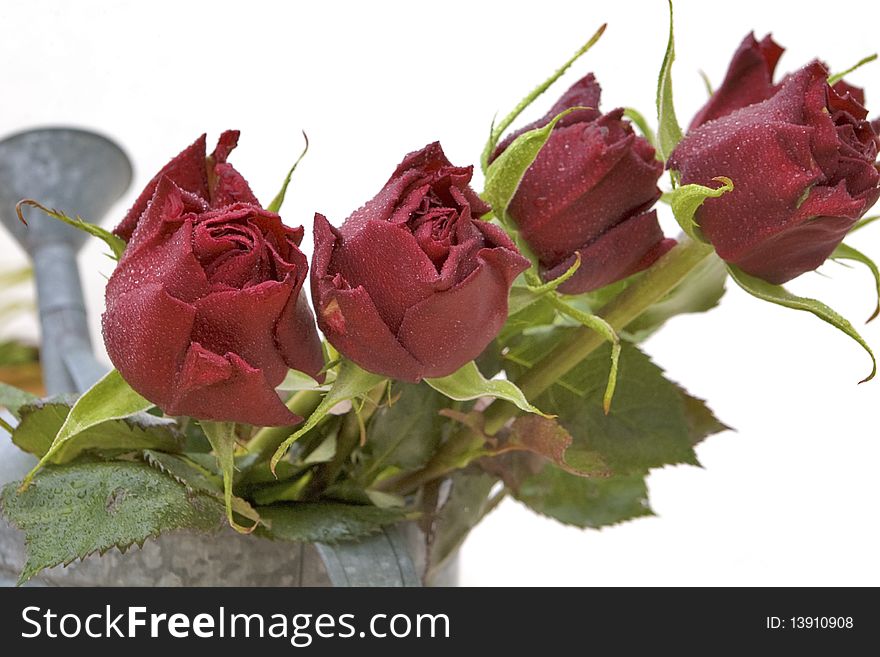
846,252
222,437
504,175
837,77
687,199
351,381
777,294
116,243
668,131
498,129
468,383
642,124
278,201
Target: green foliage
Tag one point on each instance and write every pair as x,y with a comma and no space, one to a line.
13,399
351,381
845,252
468,383
325,522
75,510
466,505
221,435
584,502
669,131
116,244
41,421
700,291
405,432
278,201
111,398
497,131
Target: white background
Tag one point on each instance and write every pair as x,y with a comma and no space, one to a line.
791,498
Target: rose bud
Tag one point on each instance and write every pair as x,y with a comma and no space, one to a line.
590,192
749,79
803,167
413,285
204,311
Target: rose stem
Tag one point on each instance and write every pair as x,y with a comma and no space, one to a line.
648,289
268,439
347,440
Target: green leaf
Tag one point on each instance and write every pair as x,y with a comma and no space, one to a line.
777,294
278,201
468,383
73,511
701,421
669,131
646,427
584,502
197,479
498,130
837,77
221,435
351,382
111,398
642,124
325,522
549,439
405,433
116,244
505,174
41,420
466,505
687,199
845,252
700,291
13,399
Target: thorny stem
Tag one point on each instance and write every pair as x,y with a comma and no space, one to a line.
650,288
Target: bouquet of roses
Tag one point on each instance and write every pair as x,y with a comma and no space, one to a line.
475,345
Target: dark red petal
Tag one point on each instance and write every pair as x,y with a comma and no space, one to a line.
226,389
624,250
352,324
585,180
147,334
749,79
186,170
243,322
450,328
297,337
386,260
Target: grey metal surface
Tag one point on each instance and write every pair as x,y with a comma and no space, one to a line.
83,173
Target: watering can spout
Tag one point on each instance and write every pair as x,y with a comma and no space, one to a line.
79,173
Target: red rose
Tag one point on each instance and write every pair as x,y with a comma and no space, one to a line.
413,285
204,311
803,163
590,192
749,79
